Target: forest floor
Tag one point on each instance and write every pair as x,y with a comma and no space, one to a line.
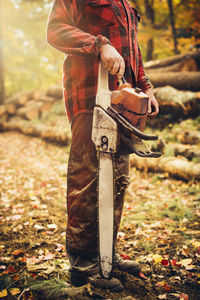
160,229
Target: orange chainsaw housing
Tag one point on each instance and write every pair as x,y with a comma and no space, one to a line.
132,104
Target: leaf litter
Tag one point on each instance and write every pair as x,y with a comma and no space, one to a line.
160,229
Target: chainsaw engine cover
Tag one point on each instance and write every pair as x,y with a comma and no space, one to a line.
132,104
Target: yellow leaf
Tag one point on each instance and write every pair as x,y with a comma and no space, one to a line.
3,293
14,291
157,258
183,229
196,244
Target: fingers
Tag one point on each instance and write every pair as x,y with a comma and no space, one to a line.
149,107
112,60
153,103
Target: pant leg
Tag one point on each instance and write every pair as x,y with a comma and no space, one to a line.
81,237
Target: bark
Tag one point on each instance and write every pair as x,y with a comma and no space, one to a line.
180,80
176,167
20,99
60,134
188,65
31,111
172,22
2,109
188,151
150,17
165,62
2,85
55,92
177,103
191,137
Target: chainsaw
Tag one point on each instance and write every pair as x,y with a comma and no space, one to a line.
114,120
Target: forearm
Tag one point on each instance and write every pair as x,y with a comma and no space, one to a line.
63,34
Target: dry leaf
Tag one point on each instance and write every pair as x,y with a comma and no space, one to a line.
3,293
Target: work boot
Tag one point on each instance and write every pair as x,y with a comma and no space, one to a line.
113,284
96,280
128,266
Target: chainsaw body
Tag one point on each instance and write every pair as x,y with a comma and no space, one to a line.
132,104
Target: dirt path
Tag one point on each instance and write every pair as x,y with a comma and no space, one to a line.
160,226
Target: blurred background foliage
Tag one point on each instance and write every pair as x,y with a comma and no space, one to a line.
27,62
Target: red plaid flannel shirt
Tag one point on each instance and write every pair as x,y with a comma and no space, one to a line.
78,28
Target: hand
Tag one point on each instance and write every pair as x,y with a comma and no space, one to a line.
152,102
112,60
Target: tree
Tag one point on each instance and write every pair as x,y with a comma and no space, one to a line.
172,22
2,86
150,16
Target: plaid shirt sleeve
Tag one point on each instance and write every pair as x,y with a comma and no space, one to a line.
63,34
143,81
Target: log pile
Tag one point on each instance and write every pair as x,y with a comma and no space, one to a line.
59,134
180,71
30,105
25,112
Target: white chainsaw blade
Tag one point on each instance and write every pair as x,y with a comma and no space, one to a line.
106,212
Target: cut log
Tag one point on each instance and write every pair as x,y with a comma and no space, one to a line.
30,112
42,106
20,99
60,135
55,92
188,151
189,81
165,62
37,95
189,65
176,167
46,106
2,110
177,103
11,108
191,137
47,99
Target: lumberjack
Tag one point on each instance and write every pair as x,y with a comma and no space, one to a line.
89,32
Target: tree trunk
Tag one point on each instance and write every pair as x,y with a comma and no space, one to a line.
189,81
172,21
2,85
150,16
175,59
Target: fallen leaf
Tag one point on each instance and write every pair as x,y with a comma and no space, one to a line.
3,293
17,252
142,275
157,258
183,297
165,262
163,296
175,263
14,291
163,284
52,226
196,244
10,269
38,227
185,262
125,257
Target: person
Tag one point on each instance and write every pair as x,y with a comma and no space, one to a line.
89,32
